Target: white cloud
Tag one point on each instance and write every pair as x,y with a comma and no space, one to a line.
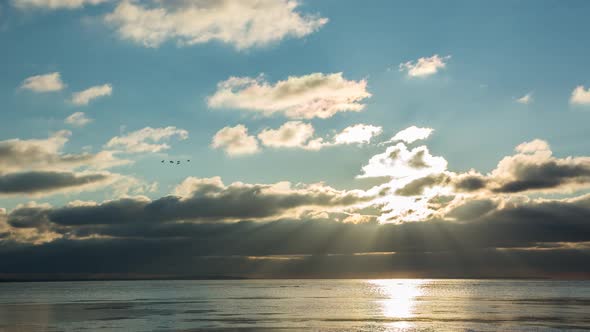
412,134
241,23
359,133
85,96
533,146
78,119
526,99
55,4
399,162
44,83
297,134
290,134
424,66
147,139
304,97
235,141
580,96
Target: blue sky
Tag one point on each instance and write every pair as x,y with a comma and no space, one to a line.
498,51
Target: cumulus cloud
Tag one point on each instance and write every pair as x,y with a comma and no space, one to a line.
78,119
400,162
292,134
425,66
580,96
44,83
147,139
526,99
241,23
55,4
235,141
359,133
532,169
412,134
304,97
82,98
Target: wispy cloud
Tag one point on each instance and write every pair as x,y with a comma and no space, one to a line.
55,4
147,139
44,83
425,66
526,99
78,119
82,98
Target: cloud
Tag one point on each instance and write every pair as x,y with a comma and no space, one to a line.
147,139
200,200
532,169
235,141
425,66
304,97
412,134
82,98
45,182
44,83
580,96
55,4
291,134
400,162
547,238
46,154
243,23
526,99
359,133
78,119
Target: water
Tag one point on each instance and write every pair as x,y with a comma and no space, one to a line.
316,305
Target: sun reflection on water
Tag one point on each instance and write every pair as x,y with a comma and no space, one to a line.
398,298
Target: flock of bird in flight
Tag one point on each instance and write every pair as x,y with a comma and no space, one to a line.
177,162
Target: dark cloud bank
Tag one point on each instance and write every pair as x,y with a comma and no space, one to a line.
546,239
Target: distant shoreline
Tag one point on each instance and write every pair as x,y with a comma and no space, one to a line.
230,278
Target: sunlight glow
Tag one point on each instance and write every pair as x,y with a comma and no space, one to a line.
399,296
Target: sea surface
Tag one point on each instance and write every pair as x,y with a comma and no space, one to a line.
297,305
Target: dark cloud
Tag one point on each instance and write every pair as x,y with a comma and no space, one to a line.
417,160
417,186
548,175
492,241
35,182
207,200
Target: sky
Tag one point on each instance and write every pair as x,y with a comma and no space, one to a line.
282,138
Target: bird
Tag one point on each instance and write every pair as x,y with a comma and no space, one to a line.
172,161
163,161
188,160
